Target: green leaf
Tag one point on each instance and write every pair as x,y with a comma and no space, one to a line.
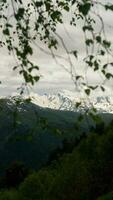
88,28
93,87
75,53
103,71
9,25
56,15
78,104
96,65
102,88
106,43
98,39
91,57
6,32
109,7
84,8
105,66
102,53
66,8
90,63
87,91
20,13
15,67
29,50
38,3
89,42
78,77
36,78
48,6
109,75
73,2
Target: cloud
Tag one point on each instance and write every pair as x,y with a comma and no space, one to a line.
54,76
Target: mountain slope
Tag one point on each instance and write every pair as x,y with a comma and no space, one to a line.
29,133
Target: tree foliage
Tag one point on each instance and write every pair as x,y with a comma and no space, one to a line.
85,173
24,22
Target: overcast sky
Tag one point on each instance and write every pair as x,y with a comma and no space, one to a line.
53,76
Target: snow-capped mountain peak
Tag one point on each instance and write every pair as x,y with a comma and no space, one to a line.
67,100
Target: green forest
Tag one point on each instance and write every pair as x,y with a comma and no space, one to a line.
80,168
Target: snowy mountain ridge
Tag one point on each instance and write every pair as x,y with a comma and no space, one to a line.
67,100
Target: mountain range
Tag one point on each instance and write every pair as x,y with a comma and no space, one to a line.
31,130
67,100
29,133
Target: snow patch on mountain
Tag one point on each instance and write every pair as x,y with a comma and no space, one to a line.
67,100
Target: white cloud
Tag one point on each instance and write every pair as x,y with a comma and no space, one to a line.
54,77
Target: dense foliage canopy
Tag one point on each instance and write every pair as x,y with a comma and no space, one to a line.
23,23
85,173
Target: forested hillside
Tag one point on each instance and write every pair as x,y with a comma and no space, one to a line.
84,173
